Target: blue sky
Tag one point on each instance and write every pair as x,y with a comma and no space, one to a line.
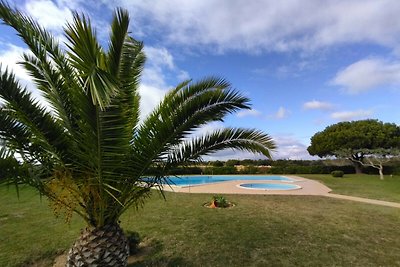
304,64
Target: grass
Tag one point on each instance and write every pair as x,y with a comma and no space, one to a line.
29,232
259,231
361,185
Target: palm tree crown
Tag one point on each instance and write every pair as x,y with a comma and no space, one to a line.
88,149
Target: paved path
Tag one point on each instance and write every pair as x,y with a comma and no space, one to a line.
365,200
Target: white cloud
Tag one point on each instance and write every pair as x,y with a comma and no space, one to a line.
290,147
183,75
150,97
351,115
248,112
48,14
154,85
280,114
314,104
159,63
252,26
227,154
367,74
10,57
160,57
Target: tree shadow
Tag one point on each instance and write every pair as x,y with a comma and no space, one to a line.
150,254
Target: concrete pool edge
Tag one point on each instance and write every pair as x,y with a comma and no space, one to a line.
297,187
291,179
309,187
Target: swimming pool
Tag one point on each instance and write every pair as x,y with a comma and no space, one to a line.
270,186
207,179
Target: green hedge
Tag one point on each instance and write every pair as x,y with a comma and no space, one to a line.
280,169
219,170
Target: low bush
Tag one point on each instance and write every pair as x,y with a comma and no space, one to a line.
219,202
337,173
133,241
250,170
219,170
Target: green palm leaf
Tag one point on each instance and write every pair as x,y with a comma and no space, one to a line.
88,151
85,148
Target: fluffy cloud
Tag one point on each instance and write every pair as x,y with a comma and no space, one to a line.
10,57
150,97
227,154
280,114
314,104
154,85
48,14
290,147
252,26
367,74
160,57
351,115
248,113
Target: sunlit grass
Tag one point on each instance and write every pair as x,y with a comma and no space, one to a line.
362,185
258,231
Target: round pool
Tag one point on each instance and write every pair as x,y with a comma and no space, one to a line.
269,186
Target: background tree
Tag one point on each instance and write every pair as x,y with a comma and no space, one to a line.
354,137
90,153
217,163
232,162
376,158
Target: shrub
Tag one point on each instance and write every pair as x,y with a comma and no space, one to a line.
277,170
219,170
217,163
220,201
337,173
133,241
185,170
249,170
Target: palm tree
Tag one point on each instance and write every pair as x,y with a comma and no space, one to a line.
87,150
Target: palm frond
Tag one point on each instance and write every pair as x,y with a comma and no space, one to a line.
25,118
90,147
5,152
47,65
119,31
125,60
229,138
88,59
182,112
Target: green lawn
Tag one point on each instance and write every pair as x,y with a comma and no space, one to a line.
369,186
259,231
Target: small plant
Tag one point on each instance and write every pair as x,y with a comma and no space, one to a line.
337,173
219,202
133,241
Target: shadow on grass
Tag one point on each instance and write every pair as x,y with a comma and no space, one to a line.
150,254
45,259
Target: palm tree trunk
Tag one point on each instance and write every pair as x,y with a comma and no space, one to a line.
103,246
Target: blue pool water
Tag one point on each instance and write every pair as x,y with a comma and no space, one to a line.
206,179
267,186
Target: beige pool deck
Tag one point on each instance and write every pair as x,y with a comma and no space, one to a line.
308,187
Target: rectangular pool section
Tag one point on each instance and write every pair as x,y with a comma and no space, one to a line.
207,179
